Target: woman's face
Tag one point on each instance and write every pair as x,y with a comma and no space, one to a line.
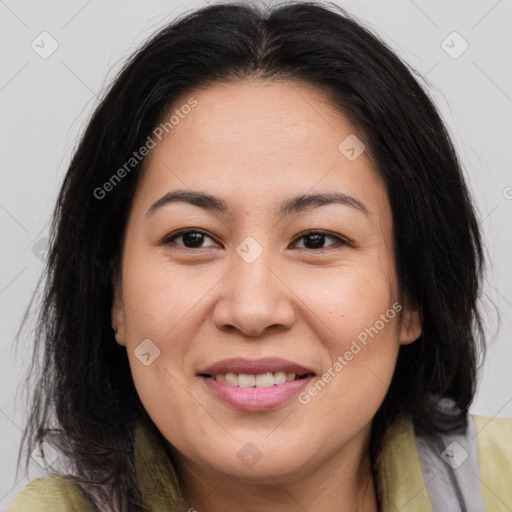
247,297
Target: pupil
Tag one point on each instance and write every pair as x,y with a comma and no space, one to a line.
317,240
192,239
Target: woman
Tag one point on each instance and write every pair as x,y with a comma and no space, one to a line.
263,285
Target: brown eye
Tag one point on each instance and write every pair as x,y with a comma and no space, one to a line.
316,239
190,238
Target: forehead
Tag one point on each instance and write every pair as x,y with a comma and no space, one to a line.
259,118
260,140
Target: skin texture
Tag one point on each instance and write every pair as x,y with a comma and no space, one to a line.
256,143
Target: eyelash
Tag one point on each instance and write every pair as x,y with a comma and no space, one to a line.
339,241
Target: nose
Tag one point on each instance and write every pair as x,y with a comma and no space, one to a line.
254,299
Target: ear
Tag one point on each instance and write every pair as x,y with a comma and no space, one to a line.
411,324
117,313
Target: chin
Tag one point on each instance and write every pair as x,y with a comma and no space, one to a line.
258,463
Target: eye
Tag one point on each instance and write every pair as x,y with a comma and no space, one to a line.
191,238
315,240
194,239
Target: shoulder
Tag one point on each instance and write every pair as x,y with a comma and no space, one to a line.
494,443
494,440
52,493
414,475
493,432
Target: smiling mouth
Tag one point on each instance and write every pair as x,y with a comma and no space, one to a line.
261,380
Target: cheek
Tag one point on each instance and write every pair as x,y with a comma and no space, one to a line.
159,296
347,299
167,306
356,317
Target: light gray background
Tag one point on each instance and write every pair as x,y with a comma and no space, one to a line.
45,102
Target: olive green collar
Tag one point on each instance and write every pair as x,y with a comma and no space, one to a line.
398,468
156,475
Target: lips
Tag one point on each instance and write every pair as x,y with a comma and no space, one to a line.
255,385
255,367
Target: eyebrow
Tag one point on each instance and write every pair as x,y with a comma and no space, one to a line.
296,204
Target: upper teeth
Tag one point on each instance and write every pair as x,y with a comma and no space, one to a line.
262,380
